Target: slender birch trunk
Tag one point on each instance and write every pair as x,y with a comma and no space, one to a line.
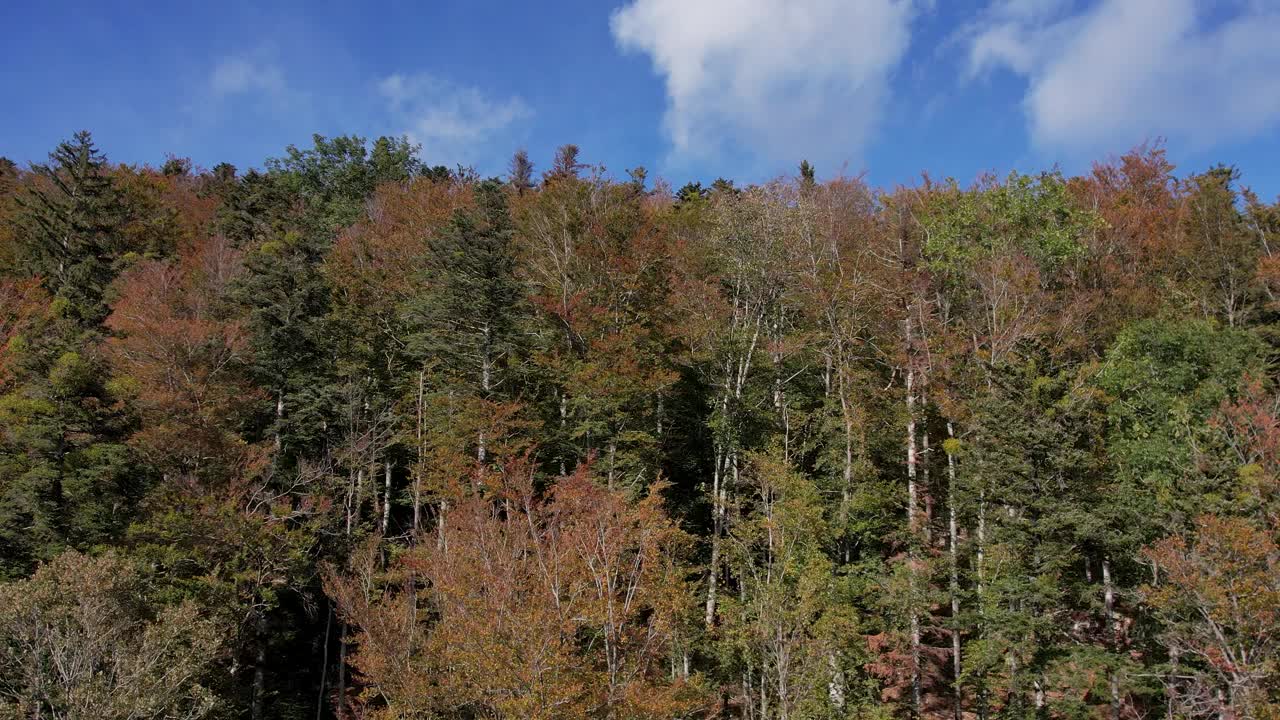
564,422
259,678
717,481
279,418
953,567
486,384
417,472
912,527
386,497
1109,605
981,563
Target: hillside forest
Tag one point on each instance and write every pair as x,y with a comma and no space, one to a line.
355,436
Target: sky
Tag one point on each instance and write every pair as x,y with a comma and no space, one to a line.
689,89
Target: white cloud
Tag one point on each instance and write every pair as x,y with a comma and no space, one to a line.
1119,72
242,85
773,81
239,75
450,121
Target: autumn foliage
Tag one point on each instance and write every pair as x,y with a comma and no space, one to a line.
563,604
355,436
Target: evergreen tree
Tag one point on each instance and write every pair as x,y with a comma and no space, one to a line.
287,300
66,477
467,320
565,165
464,329
808,180
520,172
336,177
71,226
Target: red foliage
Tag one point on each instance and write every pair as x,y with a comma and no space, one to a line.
182,357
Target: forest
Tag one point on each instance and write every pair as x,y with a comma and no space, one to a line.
355,436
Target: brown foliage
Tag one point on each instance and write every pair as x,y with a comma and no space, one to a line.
183,357
1219,594
526,606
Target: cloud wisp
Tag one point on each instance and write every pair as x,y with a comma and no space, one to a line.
452,122
235,75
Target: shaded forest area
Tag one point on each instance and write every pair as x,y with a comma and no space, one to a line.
357,437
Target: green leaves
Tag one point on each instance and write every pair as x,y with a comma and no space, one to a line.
467,316
1164,380
336,176
968,231
70,222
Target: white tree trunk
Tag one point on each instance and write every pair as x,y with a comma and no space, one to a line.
953,567
912,527
386,498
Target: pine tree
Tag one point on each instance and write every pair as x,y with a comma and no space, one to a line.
287,298
565,165
71,226
520,173
68,479
465,325
808,180
467,318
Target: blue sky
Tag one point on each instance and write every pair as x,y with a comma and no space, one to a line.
691,90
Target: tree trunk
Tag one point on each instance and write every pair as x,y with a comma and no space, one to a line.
1109,602
342,667
658,413
417,471
846,488
486,383
564,420
923,460
324,660
353,499
779,394
982,547
613,451
953,567
717,522
259,688
912,528
980,561
835,686
386,498
279,418
441,524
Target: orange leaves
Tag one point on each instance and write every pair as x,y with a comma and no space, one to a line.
1219,595
1250,426
555,607
375,262
1229,574
182,356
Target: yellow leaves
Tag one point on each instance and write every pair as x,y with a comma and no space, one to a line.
952,446
71,373
60,307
